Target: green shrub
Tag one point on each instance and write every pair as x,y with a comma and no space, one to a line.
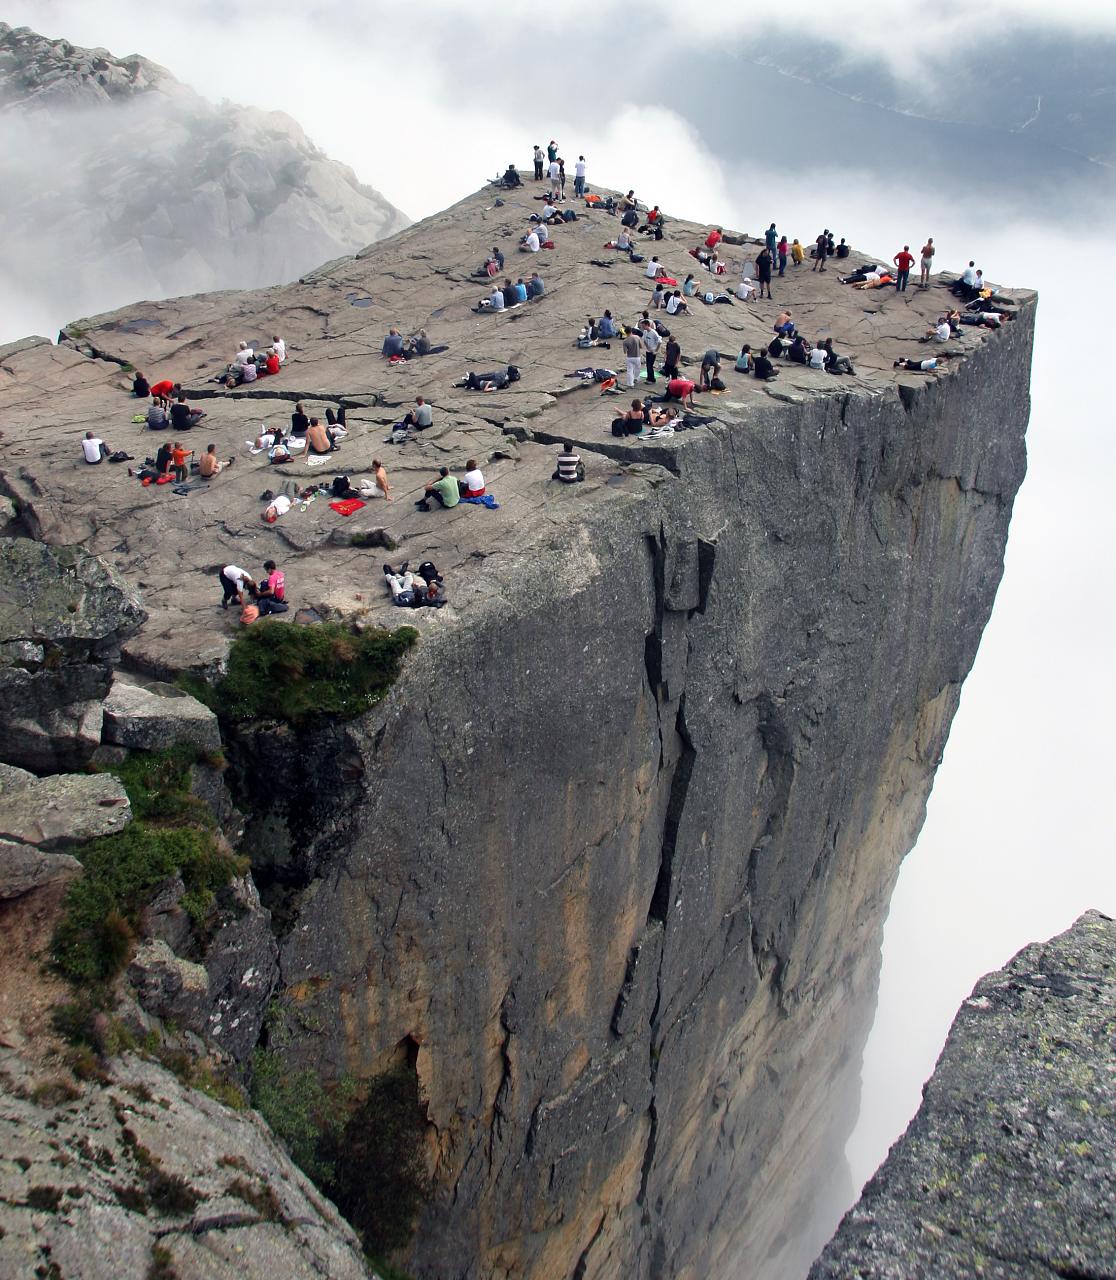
361,1144
172,831
292,673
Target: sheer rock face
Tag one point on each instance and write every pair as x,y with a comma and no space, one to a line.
140,1175
120,182
610,863
1006,1170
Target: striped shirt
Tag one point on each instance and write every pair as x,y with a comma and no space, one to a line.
567,466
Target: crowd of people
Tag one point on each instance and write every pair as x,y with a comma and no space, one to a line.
649,340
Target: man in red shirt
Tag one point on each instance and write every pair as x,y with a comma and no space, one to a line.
681,389
713,239
271,595
904,261
163,390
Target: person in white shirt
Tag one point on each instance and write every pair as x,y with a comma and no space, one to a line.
473,480
538,162
579,176
548,212
674,302
279,507
553,171
941,331
496,301
244,354
653,268
94,448
817,357
532,242
651,342
235,583
280,349
745,289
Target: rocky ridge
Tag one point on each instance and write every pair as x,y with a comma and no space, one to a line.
118,181
1006,1171
607,869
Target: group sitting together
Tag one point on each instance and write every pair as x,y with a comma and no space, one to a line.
179,416
248,365
512,295
256,599
396,347
415,590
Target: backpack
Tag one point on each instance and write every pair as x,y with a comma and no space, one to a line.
619,427
774,347
715,384
708,299
428,572
630,219
513,373
340,486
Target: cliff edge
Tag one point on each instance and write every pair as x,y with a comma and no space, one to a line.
1006,1170
606,870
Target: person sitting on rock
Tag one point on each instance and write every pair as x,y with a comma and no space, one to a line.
141,388
93,448
164,459
418,344
762,367
271,594
835,363
941,331
271,364
299,420
494,264
676,304
445,490
393,344
420,417
520,290
244,355
472,483
689,286
379,486
784,325
318,440
209,465
182,417
570,468
249,372
744,360
658,297
535,286
511,178
799,350
632,422
624,241
531,242
236,584
495,300
746,290
156,416
606,326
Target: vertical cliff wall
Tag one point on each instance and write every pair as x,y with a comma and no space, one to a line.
611,863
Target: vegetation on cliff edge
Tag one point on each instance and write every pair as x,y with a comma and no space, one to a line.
281,671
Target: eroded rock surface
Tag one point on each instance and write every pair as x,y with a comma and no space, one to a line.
152,716
144,1176
1006,1171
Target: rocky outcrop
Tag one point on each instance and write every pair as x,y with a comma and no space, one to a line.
142,1176
51,813
63,616
1006,1170
189,196
151,715
608,867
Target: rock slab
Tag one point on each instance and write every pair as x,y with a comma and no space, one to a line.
1007,1169
153,716
50,813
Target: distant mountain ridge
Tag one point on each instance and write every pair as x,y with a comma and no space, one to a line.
118,181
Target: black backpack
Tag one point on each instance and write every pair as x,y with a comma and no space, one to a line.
619,427
774,347
428,572
340,486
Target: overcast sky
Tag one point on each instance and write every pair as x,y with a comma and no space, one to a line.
425,101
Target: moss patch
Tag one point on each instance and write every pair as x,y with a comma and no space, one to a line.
284,672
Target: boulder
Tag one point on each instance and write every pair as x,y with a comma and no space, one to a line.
169,986
23,868
63,616
50,813
151,716
242,962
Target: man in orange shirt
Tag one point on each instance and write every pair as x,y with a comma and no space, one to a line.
713,239
904,261
178,457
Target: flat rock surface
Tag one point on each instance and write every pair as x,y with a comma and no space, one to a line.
1007,1169
51,812
155,716
334,321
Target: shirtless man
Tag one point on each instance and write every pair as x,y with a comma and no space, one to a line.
925,263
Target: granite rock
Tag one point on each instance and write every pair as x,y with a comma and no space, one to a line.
24,868
152,716
1006,1172
50,813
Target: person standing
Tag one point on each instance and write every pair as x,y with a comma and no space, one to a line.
632,348
579,176
178,457
538,159
903,260
553,173
783,248
763,270
552,151
671,357
926,263
651,344
771,241
820,248
561,177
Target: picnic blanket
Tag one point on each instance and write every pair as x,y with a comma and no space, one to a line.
665,280
346,506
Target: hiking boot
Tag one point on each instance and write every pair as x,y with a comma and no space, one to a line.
388,570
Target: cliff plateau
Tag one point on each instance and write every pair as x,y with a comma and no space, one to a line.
607,868
117,182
